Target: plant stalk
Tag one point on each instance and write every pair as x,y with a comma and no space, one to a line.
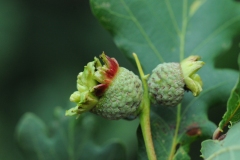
145,114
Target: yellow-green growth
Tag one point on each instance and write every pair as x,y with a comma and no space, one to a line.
84,96
192,80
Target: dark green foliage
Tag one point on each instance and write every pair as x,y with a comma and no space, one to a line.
45,44
169,31
64,138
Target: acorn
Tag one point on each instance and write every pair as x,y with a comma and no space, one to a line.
169,81
107,90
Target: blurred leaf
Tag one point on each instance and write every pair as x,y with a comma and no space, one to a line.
167,31
65,138
233,106
228,148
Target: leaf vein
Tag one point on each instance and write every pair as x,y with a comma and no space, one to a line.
222,151
232,114
174,142
118,14
172,16
214,33
144,34
183,32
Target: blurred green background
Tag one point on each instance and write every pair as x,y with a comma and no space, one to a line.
43,46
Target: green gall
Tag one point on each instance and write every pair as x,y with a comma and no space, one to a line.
168,81
166,85
107,90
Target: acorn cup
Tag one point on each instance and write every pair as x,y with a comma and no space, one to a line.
107,90
169,81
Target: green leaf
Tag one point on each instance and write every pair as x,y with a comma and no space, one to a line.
64,138
228,148
169,31
233,105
